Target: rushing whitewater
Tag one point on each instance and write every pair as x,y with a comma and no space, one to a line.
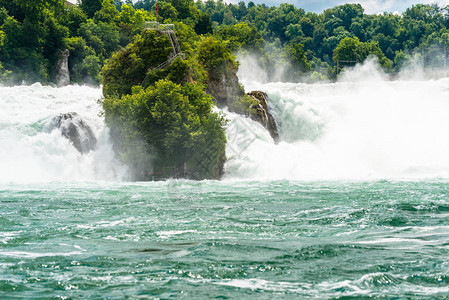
29,152
362,127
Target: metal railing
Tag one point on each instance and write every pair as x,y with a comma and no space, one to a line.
162,66
168,29
166,63
158,26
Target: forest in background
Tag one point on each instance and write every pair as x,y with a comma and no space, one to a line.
306,45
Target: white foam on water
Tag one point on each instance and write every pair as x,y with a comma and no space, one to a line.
31,153
364,126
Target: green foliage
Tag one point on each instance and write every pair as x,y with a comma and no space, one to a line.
21,52
321,34
3,15
55,34
108,12
128,67
401,60
90,7
134,18
4,74
204,24
242,37
179,71
73,19
102,37
172,126
78,52
36,31
90,69
167,11
294,53
216,57
144,4
245,105
345,13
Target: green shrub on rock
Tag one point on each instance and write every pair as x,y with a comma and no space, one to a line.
167,130
221,67
128,67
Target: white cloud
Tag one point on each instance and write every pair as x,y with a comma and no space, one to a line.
375,6
318,6
370,6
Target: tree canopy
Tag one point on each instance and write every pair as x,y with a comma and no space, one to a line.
34,33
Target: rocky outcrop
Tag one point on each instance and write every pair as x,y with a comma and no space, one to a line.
255,106
262,114
75,129
227,91
63,76
225,88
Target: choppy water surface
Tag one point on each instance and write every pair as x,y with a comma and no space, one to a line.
225,239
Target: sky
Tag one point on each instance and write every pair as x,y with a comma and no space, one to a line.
370,6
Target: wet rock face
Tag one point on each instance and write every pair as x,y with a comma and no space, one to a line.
74,128
258,111
261,114
225,89
63,75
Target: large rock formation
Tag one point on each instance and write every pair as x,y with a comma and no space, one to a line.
255,106
75,129
223,84
63,76
262,114
225,88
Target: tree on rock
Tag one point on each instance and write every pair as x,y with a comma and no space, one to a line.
167,130
128,67
221,67
161,119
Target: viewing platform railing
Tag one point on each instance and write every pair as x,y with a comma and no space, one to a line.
168,29
158,26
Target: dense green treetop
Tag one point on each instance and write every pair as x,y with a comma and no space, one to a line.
351,50
170,124
128,67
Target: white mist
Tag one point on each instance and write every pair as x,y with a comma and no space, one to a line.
30,153
362,127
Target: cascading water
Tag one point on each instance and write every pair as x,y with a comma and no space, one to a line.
33,149
362,127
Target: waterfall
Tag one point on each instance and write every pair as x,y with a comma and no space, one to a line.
35,149
365,126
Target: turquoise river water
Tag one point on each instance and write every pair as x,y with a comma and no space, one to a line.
225,240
